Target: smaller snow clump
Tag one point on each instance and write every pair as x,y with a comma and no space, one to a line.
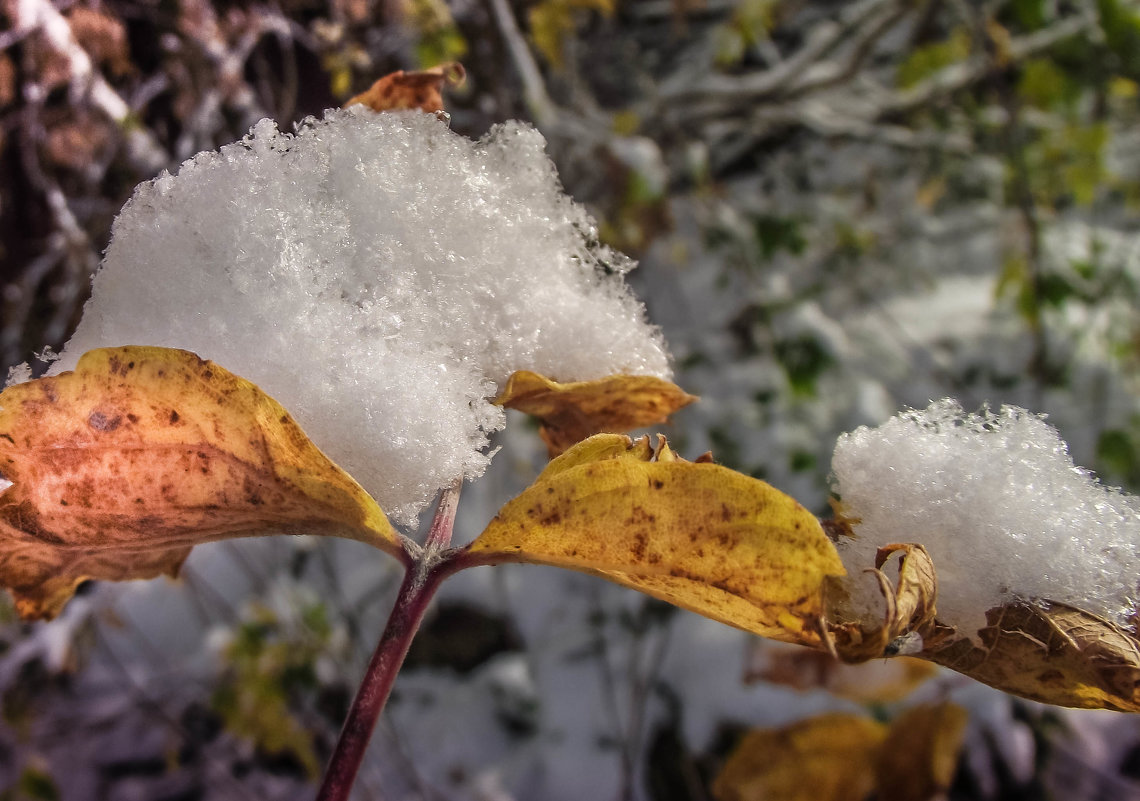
381,277
997,501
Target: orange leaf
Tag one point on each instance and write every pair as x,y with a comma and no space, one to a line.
422,90
123,465
572,412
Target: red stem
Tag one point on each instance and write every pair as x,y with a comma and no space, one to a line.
420,583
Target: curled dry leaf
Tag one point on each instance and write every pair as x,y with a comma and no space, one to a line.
909,604
1044,651
421,90
697,535
840,757
571,412
121,466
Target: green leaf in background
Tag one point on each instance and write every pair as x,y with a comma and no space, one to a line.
271,667
924,61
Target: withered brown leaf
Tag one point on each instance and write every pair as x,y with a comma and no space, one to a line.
421,90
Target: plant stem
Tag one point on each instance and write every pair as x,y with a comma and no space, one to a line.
420,583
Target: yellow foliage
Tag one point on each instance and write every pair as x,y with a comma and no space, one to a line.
918,760
697,535
827,758
840,757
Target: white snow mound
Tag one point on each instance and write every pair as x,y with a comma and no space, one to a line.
1000,506
381,277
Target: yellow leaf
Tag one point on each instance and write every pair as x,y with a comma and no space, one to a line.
123,465
826,758
571,412
421,90
918,759
839,757
697,535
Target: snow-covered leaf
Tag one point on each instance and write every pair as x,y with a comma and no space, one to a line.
1030,561
1048,652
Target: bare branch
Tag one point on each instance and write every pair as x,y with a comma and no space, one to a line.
822,40
538,102
142,149
860,110
831,74
959,76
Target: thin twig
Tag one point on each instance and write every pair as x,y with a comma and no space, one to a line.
146,701
420,583
964,74
538,102
822,40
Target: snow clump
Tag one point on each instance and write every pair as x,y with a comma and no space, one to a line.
997,501
381,277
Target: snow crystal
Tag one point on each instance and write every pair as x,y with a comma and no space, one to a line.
1001,508
380,276
18,374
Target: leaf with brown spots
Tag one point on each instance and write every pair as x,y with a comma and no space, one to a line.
421,90
698,535
118,468
572,412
